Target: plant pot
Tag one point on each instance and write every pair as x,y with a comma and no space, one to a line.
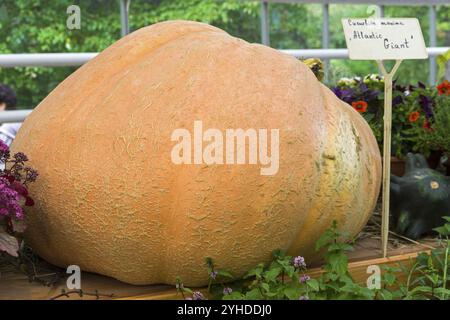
397,167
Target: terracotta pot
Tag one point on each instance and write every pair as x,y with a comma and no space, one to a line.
397,166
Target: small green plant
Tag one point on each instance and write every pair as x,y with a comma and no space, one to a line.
286,278
428,278
336,282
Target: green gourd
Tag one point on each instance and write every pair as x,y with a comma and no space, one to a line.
419,199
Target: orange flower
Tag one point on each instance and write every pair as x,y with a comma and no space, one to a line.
360,106
414,116
444,88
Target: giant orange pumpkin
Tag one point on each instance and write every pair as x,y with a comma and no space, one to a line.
110,199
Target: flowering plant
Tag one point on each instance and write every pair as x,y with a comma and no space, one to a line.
413,109
431,127
14,179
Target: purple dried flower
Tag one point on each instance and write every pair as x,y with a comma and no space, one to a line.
303,298
197,295
227,291
31,174
299,262
213,274
304,278
20,157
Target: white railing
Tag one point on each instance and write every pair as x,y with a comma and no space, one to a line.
14,116
77,59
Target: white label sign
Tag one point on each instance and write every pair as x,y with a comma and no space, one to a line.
384,39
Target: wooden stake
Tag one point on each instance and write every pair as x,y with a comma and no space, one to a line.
386,151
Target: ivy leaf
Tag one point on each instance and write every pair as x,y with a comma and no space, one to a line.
9,244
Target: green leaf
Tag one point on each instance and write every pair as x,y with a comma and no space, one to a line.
385,294
313,284
265,286
292,293
389,278
445,293
338,263
225,274
187,290
443,230
272,274
326,237
253,294
255,271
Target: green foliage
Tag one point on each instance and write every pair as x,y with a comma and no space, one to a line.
285,277
420,114
428,279
436,133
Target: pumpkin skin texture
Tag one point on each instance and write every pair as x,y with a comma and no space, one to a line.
110,200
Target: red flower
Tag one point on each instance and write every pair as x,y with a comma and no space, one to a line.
426,125
414,116
360,106
444,88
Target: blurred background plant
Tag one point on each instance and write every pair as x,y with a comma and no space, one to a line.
28,26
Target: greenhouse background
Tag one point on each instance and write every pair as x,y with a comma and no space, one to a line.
292,25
